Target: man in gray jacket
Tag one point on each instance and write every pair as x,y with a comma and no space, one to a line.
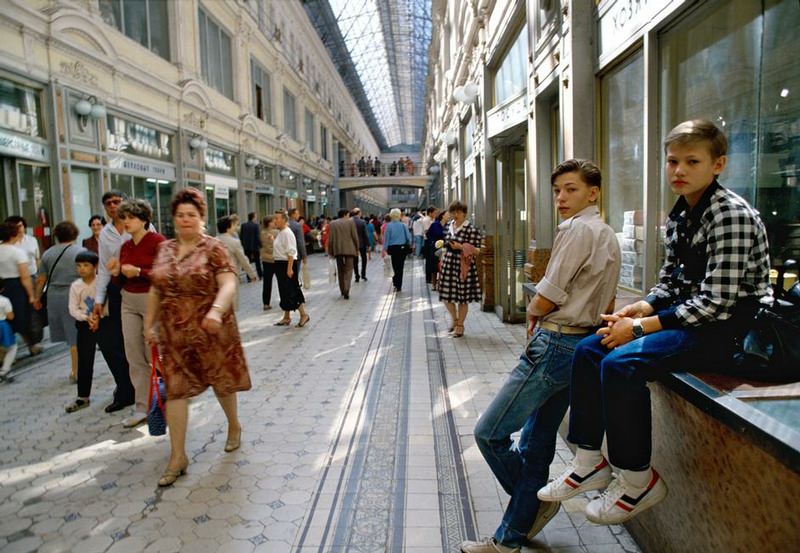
343,245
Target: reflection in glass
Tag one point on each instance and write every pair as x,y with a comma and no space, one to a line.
738,66
20,109
622,143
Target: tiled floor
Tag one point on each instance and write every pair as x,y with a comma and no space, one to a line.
357,438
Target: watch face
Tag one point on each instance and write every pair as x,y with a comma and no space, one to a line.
638,330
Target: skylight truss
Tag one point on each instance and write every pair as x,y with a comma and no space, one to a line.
385,43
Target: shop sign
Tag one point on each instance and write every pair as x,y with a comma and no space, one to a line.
311,198
221,182
13,145
265,189
221,192
508,115
139,168
292,194
624,19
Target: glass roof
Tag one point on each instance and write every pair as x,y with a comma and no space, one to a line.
383,45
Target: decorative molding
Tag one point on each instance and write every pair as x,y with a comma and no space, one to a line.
192,119
78,71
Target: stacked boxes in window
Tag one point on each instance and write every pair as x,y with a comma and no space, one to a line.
631,242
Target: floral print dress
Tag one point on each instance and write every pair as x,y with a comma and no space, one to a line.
193,358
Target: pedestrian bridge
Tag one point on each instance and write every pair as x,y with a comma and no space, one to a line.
360,183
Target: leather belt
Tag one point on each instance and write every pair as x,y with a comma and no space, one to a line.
563,329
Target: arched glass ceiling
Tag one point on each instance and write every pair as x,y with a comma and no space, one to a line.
385,42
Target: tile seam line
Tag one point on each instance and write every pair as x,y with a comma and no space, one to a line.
371,352
468,516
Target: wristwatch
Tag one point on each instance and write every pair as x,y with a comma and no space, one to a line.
638,329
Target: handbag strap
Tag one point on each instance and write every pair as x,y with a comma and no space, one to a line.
53,268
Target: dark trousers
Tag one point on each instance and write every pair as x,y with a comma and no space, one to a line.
266,273
112,345
87,345
609,394
344,272
255,258
289,288
363,252
398,255
431,262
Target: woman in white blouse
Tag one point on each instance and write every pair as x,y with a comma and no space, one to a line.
284,251
19,286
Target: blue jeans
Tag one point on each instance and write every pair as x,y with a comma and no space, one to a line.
418,243
609,391
534,398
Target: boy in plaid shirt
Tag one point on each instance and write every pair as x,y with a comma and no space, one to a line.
716,271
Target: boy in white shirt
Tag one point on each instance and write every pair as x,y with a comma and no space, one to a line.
81,304
8,341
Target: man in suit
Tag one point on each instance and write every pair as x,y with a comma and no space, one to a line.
250,236
343,245
363,243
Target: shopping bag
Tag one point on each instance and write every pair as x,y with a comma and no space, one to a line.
306,276
331,270
156,414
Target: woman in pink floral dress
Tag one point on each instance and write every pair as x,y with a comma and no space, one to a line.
193,288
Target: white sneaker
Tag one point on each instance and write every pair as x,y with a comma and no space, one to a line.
621,501
575,480
134,420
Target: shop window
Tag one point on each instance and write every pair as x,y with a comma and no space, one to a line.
215,55
137,139
512,75
310,142
217,161
37,202
157,192
323,141
289,114
144,21
622,143
737,65
262,92
20,109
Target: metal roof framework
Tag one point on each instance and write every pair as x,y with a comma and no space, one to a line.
380,48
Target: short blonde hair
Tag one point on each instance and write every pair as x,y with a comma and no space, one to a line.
395,214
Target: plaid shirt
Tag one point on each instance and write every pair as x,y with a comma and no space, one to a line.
717,254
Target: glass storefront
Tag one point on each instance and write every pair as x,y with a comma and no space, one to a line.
221,186
20,109
737,65
622,155
137,139
36,201
156,191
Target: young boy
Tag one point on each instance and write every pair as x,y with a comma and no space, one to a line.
81,304
579,285
716,270
8,342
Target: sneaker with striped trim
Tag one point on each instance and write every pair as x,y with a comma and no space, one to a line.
621,501
575,480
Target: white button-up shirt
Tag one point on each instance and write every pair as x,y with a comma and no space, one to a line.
284,245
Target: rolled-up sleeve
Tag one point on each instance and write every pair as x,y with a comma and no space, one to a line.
571,249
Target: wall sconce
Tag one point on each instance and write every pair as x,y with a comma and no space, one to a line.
88,108
285,173
450,138
251,161
306,181
196,143
433,169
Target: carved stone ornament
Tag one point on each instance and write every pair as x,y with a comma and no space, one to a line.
79,72
194,120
